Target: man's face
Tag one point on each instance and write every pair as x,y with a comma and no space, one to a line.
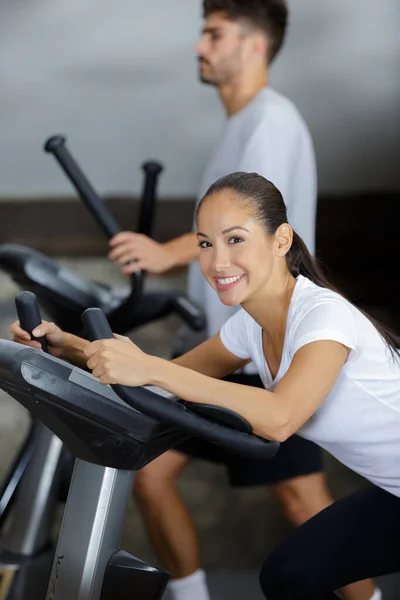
221,49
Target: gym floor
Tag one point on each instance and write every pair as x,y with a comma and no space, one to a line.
236,528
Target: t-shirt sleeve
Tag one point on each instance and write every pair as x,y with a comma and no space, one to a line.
269,155
235,334
330,320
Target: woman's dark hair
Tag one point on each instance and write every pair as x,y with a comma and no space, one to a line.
267,206
269,16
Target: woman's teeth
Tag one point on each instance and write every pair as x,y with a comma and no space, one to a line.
228,280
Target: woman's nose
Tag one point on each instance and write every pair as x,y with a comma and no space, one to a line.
221,260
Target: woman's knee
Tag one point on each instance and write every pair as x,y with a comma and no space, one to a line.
285,577
273,578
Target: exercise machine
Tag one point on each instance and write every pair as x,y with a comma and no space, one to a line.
61,290
64,295
26,548
112,431
48,470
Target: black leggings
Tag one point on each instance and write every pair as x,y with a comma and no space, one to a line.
354,539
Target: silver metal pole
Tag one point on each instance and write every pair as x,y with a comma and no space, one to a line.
91,531
33,513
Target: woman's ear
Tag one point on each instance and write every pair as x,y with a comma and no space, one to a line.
283,239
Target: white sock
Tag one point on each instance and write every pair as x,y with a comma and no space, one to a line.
193,587
377,595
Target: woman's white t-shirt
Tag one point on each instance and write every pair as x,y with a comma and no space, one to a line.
359,421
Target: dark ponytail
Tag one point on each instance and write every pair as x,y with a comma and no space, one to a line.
267,206
301,262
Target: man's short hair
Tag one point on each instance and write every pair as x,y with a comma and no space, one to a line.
269,16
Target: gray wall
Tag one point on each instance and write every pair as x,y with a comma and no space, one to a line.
120,79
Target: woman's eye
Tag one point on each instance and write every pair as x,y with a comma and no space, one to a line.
235,240
204,244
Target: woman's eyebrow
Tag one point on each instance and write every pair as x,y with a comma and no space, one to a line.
233,228
199,234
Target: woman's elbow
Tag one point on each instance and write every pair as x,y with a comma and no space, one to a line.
279,433
277,425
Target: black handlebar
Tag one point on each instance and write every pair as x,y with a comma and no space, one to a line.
29,315
182,414
96,325
191,314
152,171
56,145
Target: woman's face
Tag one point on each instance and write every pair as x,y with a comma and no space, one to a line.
236,255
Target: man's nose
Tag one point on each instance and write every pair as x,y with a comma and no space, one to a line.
199,48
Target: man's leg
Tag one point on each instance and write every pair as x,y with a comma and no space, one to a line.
166,517
301,498
170,526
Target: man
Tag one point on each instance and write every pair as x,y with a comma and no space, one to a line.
263,133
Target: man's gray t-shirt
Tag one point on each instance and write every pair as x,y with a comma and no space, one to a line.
268,137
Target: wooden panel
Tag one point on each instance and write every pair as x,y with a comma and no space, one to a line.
357,237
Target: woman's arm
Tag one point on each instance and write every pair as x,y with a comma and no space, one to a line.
73,350
59,343
211,358
273,415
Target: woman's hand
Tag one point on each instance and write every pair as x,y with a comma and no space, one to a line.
54,336
120,361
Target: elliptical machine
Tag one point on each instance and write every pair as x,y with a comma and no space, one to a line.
112,431
26,551
64,295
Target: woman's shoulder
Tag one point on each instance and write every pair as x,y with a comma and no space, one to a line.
320,307
317,314
308,296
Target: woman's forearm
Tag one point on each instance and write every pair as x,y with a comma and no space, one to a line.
72,350
259,407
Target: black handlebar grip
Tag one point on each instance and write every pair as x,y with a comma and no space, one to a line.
29,315
152,171
190,313
96,325
56,146
157,407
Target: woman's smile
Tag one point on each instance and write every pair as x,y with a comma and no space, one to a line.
224,284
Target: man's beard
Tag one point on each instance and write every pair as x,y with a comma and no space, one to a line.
207,79
217,75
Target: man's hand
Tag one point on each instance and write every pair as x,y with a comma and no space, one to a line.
137,252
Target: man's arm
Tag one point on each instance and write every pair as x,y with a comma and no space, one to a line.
184,249
152,256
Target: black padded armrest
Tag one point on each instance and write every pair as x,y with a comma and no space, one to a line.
221,415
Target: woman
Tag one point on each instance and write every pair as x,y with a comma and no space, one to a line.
330,373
